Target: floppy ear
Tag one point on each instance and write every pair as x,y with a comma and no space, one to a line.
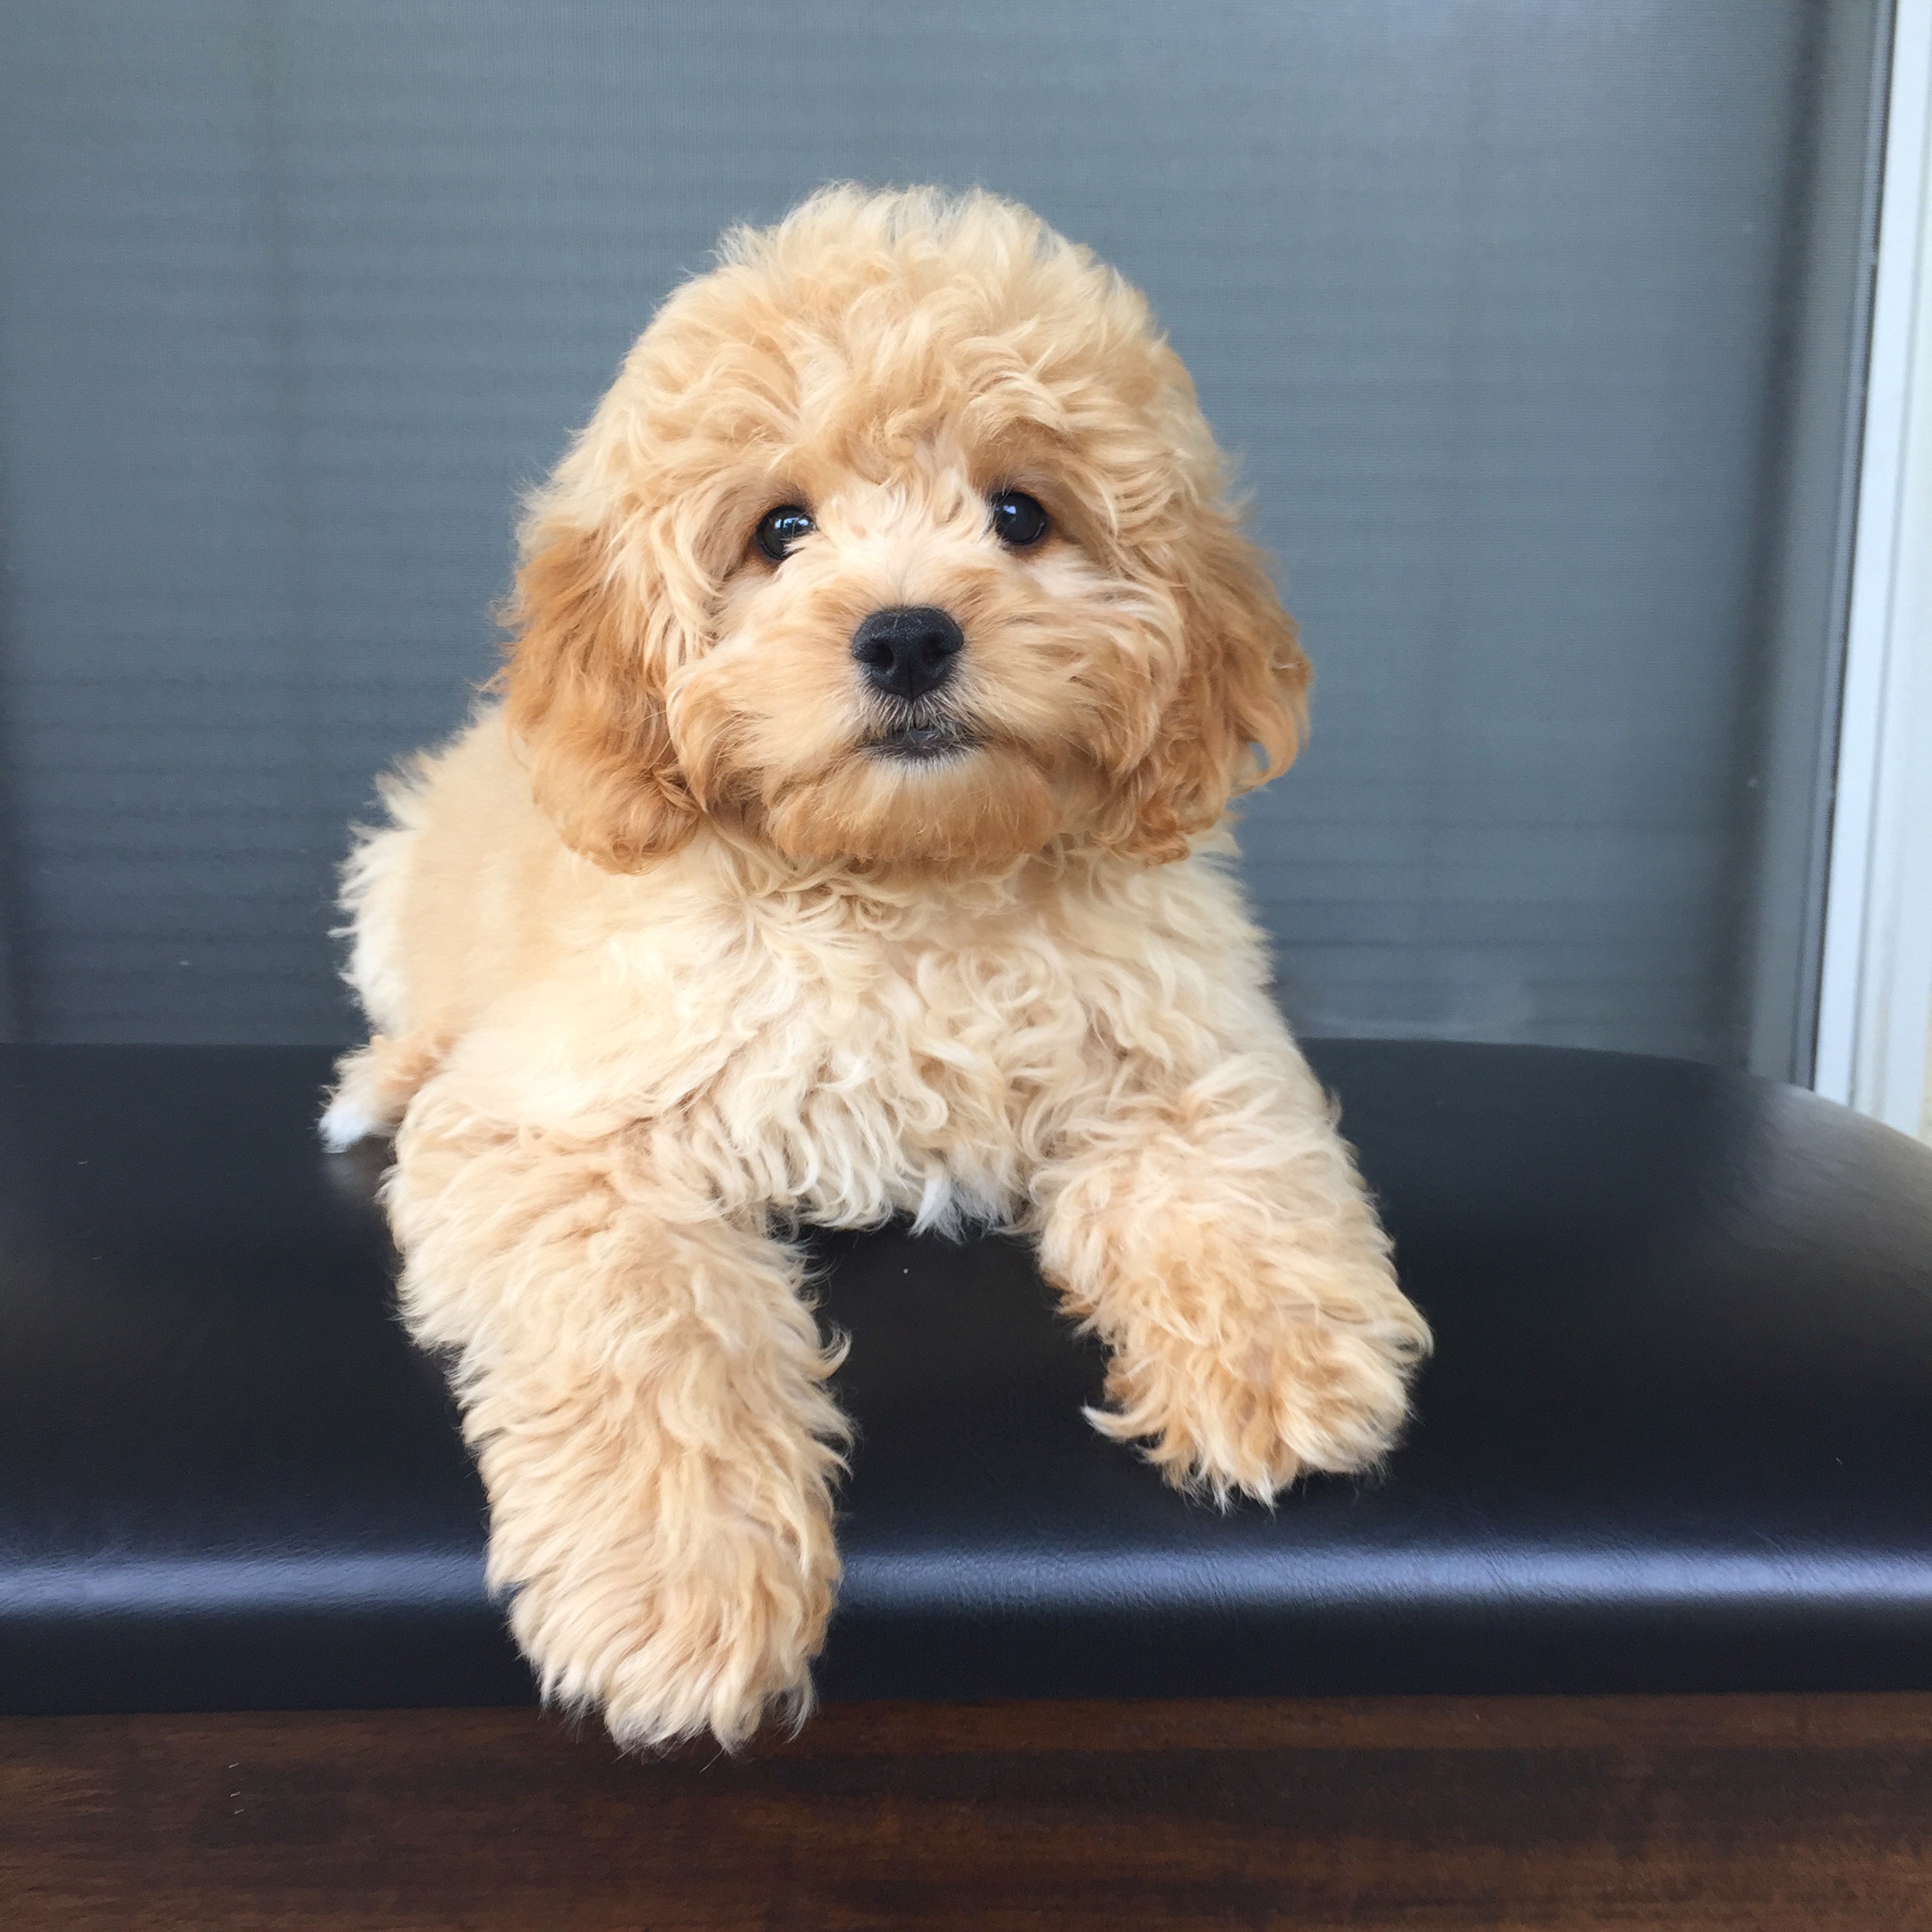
1238,718
585,693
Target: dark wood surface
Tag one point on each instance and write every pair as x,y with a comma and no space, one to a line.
1810,1813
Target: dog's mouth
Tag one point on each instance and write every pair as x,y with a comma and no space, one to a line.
912,743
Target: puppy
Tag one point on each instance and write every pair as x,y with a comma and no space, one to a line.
847,843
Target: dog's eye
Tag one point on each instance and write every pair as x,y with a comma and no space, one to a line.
1019,521
780,529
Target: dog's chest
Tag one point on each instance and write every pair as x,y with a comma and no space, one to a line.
911,1074
952,1039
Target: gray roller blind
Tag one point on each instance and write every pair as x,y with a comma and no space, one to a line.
1536,322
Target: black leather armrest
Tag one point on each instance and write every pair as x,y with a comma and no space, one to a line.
1677,1434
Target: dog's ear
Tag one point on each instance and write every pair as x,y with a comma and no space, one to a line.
584,690
1237,716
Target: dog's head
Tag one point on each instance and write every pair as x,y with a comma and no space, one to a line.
899,539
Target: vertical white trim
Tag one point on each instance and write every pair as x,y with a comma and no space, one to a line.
1875,989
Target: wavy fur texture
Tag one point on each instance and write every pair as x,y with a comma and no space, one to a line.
664,957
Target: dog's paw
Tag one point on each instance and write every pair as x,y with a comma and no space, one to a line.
374,1085
720,1643
345,1123
1246,1415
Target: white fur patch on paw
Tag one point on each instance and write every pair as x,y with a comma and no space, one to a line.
344,1123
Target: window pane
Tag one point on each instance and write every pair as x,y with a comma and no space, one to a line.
1536,324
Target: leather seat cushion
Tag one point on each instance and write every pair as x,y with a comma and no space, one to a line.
1677,1434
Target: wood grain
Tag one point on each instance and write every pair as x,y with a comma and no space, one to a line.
1812,1812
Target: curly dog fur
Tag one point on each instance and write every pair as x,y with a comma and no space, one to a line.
672,950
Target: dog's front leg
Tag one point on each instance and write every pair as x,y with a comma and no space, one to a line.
1209,1225
645,1391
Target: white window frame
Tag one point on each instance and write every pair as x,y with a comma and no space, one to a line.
1875,983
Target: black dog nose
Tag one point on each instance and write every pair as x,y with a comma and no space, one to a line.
909,651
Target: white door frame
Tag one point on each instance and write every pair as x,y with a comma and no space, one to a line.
1875,983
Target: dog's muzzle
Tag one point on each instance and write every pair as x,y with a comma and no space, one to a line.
908,654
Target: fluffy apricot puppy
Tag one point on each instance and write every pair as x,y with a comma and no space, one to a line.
847,843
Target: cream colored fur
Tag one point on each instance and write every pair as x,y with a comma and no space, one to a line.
664,958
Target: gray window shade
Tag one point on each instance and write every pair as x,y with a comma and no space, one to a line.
1536,325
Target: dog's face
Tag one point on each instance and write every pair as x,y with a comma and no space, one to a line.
899,540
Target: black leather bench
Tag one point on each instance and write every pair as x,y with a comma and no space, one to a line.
1677,1436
